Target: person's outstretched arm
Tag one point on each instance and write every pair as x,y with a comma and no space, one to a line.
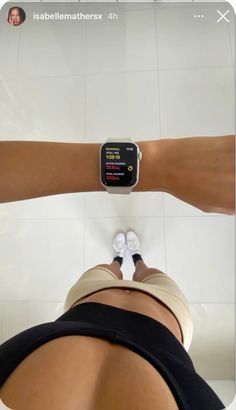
197,170
201,172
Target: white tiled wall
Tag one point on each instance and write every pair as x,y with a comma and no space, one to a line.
154,73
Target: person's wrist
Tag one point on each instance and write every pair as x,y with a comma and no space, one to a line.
152,174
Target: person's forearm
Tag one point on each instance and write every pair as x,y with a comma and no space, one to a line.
198,170
201,172
34,169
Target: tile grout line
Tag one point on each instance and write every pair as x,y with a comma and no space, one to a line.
116,217
122,72
160,128
158,71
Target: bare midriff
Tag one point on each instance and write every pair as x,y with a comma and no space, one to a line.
87,373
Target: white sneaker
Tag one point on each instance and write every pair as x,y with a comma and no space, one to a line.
119,244
133,243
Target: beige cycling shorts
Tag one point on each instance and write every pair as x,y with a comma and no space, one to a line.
159,285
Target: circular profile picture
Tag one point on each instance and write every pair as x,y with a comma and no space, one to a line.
16,16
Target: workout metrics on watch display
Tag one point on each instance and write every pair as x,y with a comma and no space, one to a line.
119,164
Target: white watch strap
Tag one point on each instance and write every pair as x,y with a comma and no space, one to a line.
120,140
119,190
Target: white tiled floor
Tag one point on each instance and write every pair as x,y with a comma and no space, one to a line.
143,105
47,51
22,315
200,256
105,111
140,31
211,320
205,106
122,105
119,206
42,102
9,44
7,108
53,207
226,390
102,231
176,207
137,76
190,42
40,258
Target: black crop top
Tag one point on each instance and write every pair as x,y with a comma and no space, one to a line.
137,332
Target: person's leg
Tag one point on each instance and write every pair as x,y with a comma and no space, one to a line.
173,306
142,271
93,280
114,267
134,249
119,246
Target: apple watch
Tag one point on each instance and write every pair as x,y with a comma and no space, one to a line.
119,165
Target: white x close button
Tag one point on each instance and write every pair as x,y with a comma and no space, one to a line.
222,16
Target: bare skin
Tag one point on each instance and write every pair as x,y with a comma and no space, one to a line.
95,374
198,170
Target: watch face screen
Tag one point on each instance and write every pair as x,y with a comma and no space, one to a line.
119,164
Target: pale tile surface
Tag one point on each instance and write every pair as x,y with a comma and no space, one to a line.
225,390
120,105
135,205
210,320
39,258
143,105
49,207
9,43
141,41
52,48
51,109
136,5
105,108
105,41
101,231
9,128
19,316
206,103
188,43
63,1
200,257
176,207
95,1
231,28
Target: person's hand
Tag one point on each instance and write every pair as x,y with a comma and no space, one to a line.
10,20
200,171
